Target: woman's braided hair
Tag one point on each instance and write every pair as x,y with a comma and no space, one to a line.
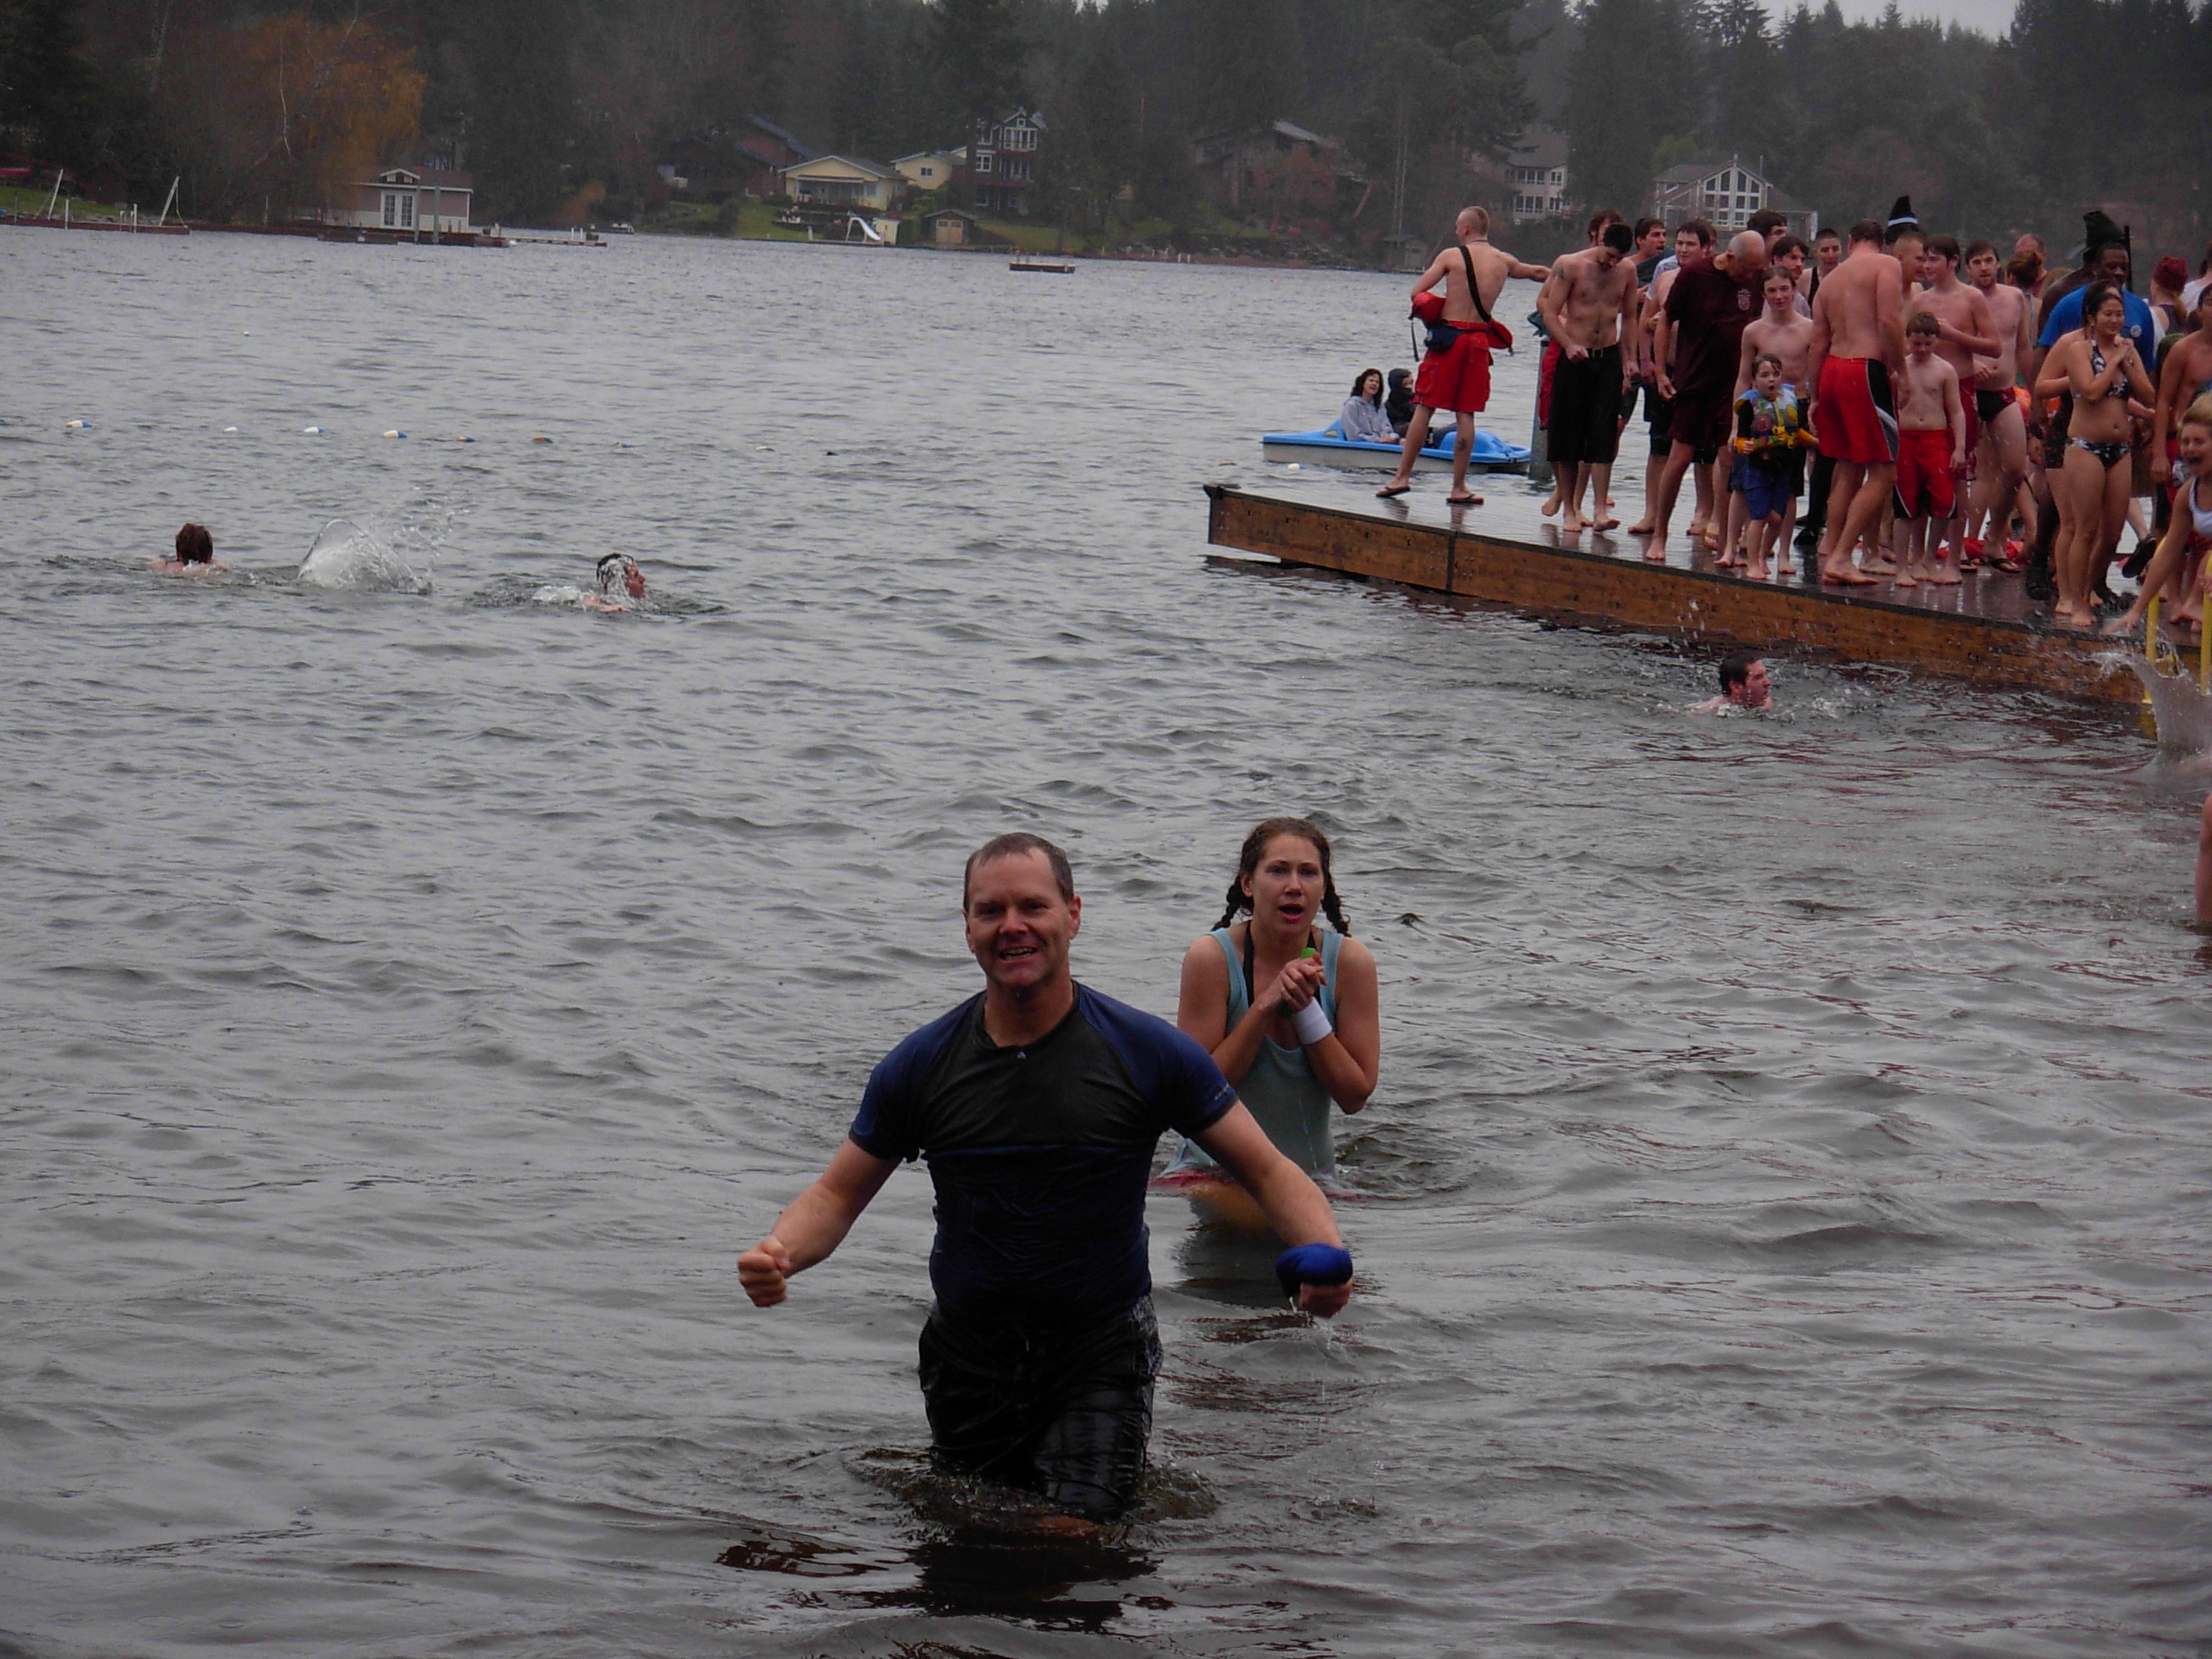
1255,847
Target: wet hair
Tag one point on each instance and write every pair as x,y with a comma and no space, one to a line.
1603,217
1697,228
1977,247
1735,669
1255,848
1868,230
611,570
1788,245
1944,246
1765,358
1360,379
2199,413
1923,322
1012,846
1765,222
2169,274
195,545
2025,270
1646,225
1616,237
2093,298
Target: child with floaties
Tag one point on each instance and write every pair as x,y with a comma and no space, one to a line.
1770,441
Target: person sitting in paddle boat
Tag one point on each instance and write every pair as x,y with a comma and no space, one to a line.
1398,401
195,554
1307,1039
1362,419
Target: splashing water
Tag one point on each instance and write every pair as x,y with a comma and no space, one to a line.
2183,710
347,558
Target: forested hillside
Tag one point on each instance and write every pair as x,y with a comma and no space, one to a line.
263,107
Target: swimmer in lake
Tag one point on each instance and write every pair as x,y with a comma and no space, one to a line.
620,588
1744,684
1039,1104
195,554
1310,1039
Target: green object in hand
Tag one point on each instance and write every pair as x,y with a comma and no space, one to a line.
1307,952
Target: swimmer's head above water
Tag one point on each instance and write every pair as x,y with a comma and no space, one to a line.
1744,681
195,545
620,571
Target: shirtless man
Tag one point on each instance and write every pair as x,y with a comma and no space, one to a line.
1459,380
1787,333
1706,312
1588,306
2003,465
1966,338
1858,343
1694,243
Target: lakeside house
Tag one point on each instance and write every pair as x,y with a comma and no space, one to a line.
1726,194
1282,160
408,199
928,170
840,181
951,227
1536,174
1002,161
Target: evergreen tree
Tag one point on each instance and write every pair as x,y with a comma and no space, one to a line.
979,55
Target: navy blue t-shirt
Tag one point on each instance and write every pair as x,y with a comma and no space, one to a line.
1040,1154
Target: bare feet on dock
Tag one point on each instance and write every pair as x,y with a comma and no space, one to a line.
1551,503
1845,576
1572,524
1905,578
1943,576
1607,524
1642,526
1880,566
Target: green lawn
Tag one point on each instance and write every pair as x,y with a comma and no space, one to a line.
32,204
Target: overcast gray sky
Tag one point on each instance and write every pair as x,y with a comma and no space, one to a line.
1991,17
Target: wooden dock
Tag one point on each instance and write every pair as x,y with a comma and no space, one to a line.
1985,631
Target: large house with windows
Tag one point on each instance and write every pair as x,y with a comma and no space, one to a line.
1536,174
1726,195
841,181
1002,160
408,200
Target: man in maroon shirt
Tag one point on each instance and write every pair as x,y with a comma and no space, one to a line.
1699,337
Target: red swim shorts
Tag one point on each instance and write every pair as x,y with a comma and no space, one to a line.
1924,475
1855,416
1458,380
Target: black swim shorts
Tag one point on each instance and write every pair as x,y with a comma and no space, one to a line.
1585,423
1061,1411
1988,405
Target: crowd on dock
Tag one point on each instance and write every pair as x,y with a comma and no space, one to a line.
1907,409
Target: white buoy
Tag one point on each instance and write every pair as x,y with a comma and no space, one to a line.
230,428
76,426
465,440
312,432
395,433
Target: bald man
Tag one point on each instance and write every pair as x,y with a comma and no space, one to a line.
1473,274
1699,336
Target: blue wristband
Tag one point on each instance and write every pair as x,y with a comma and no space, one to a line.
1312,1264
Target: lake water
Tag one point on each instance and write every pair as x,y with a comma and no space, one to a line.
1783,1221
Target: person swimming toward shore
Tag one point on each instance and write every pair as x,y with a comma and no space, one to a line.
1744,684
195,554
620,588
1287,1010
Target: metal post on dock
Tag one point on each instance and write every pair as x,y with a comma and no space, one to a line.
56,196
1539,454
170,203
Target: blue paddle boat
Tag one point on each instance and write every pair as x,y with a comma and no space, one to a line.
1324,448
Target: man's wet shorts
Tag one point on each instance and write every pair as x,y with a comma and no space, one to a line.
1458,380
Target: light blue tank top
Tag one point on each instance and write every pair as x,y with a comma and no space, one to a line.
1288,1101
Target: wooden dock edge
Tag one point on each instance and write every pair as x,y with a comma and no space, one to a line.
1568,585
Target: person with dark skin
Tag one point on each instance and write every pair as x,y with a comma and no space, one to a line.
1039,1104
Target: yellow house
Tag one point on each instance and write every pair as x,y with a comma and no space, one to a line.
932,169
839,181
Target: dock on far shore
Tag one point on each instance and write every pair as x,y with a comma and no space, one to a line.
1985,631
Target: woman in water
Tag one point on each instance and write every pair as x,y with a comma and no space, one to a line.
195,553
1362,419
1308,1038
2099,366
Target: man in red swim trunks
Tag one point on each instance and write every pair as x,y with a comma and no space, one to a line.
1473,274
1858,343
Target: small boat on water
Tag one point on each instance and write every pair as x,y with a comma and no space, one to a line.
1491,453
1046,265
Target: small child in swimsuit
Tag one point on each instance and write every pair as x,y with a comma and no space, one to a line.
1931,424
1769,431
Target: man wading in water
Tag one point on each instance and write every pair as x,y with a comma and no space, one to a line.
1457,377
1039,1104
